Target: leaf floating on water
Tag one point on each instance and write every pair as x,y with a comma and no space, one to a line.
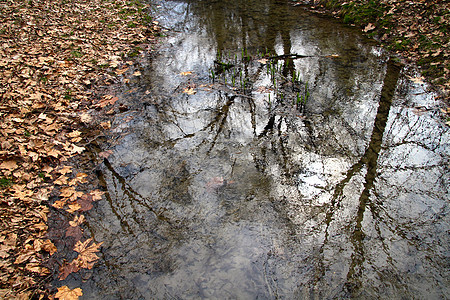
105,154
263,61
65,293
186,73
77,221
66,269
87,256
189,91
418,80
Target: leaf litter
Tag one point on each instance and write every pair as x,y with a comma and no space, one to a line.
52,54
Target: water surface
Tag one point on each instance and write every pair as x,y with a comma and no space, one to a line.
230,193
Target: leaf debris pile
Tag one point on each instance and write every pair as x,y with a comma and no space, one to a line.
52,52
418,30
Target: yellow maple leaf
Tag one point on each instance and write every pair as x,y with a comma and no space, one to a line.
86,257
65,293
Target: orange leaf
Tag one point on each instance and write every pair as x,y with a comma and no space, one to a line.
64,293
87,256
59,204
49,247
73,208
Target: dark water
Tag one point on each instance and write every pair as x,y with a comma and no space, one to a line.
230,194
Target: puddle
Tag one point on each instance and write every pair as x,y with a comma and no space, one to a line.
334,186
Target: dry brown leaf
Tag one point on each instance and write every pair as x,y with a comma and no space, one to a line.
75,133
121,71
78,220
9,165
73,208
65,293
61,180
87,256
59,204
107,100
76,149
65,170
96,195
106,125
85,118
66,269
75,232
49,247
105,154
24,256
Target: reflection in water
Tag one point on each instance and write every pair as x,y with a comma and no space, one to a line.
225,194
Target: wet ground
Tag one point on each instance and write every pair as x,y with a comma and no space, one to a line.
293,159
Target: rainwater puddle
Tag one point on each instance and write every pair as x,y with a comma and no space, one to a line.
238,181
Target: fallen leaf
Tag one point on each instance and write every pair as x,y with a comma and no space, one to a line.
36,268
59,204
189,91
96,195
369,27
107,100
417,80
66,269
186,73
137,73
9,165
65,293
65,170
85,202
85,118
106,125
75,232
24,256
87,256
105,154
49,247
73,208
75,133
121,71
76,149
78,220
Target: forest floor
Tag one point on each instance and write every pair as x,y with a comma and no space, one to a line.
52,54
418,31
